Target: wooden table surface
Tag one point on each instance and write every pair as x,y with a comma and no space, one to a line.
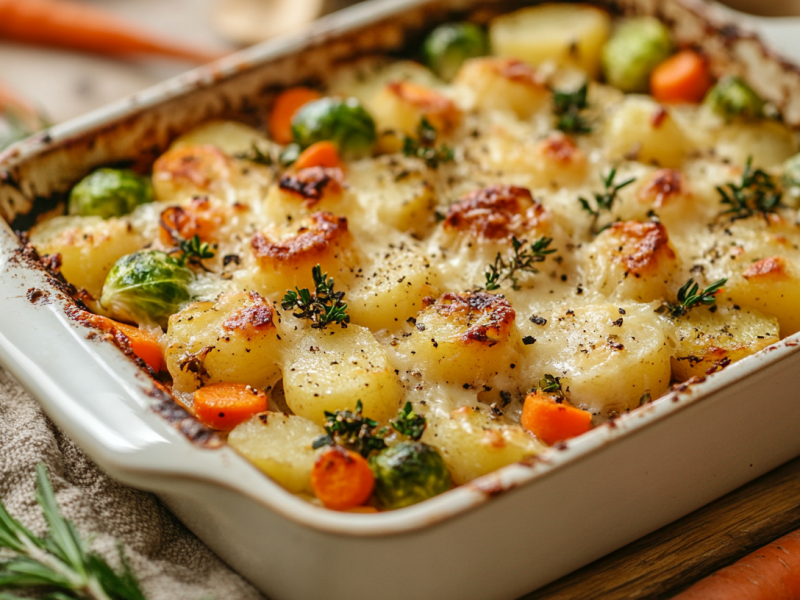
67,84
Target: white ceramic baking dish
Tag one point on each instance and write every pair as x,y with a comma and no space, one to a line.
497,537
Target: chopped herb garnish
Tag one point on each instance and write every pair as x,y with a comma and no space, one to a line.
322,307
552,385
256,155
353,431
690,296
409,423
424,146
568,106
520,260
605,201
191,251
59,563
758,192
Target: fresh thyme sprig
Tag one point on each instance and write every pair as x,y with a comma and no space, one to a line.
194,250
424,146
552,385
322,307
409,423
605,201
690,296
256,155
59,561
351,430
520,260
568,106
758,192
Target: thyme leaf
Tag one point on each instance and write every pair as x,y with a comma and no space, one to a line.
758,192
552,385
322,307
520,260
605,201
352,430
409,423
424,146
568,106
256,155
690,296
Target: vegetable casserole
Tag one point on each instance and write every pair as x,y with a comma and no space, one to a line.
415,275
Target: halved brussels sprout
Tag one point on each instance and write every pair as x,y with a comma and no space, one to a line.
342,121
109,193
407,473
146,287
637,47
448,46
731,97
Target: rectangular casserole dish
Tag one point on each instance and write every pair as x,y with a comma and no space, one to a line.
497,537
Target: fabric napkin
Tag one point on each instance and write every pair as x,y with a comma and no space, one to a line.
170,562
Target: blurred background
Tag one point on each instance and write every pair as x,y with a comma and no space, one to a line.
60,81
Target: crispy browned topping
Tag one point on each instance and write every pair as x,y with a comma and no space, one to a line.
438,108
322,232
515,70
485,317
312,183
200,217
664,184
198,165
255,318
641,245
496,212
773,268
561,149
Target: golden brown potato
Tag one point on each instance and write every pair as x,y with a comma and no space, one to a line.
402,105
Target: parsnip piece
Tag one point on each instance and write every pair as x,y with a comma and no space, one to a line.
572,35
708,339
89,247
279,445
234,340
473,445
333,368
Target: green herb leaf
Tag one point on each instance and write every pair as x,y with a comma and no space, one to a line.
353,431
568,106
322,307
409,423
605,201
255,155
520,260
552,385
690,296
758,192
424,146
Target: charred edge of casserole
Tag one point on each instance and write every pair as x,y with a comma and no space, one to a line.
26,256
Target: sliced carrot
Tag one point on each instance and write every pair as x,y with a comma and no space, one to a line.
223,406
321,154
286,105
770,573
82,27
552,421
143,344
681,78
342,479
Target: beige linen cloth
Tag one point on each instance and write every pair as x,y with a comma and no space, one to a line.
170,562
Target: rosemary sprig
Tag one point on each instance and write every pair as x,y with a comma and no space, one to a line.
351,430
424,146
520,260
568,106
690,296
758,192
60,559
409,423
322,307
605,201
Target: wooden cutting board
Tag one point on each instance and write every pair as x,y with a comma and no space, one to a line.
669,560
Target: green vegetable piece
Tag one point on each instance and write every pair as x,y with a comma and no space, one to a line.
637,47
109,193
342,121
732,98
448,46
146,287
407,473
791,181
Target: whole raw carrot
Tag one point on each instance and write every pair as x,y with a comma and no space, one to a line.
81,27
770,573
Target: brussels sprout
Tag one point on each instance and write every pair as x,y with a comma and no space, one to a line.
449,45
732,98
344,122
146,287
407,473
109,193
637,47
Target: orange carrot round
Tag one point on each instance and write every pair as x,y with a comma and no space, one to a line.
321,154
770,573
551,421
223,406
82,27
342,479
681,78
286,105
143,344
